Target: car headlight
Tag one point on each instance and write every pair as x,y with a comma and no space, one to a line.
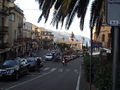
10,71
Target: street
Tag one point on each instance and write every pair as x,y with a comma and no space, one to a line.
53,76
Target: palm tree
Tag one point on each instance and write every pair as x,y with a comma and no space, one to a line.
69,8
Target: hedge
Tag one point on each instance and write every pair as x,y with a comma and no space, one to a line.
101,71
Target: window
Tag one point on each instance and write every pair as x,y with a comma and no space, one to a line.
12,17
103,38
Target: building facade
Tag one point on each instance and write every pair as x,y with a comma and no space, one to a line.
5,8
75,45
104,36
47,39
16,39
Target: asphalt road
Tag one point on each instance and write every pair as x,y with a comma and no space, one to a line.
53,76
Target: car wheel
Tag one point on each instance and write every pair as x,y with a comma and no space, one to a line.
27,71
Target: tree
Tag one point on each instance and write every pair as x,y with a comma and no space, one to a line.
62,46
69,8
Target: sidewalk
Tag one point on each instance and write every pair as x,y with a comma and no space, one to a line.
84,85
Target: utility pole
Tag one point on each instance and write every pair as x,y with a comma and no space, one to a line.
113,19
91,50
116,52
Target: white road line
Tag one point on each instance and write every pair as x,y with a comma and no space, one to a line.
60,70
78,81
30,80
53,69
46,68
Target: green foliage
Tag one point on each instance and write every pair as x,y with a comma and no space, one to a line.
101,72
62,46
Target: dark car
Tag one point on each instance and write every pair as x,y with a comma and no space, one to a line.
13,69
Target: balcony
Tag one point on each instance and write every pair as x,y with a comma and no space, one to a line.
5,11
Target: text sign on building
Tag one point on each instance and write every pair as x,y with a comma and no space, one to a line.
113,12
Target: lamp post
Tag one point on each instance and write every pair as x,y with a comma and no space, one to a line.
91,50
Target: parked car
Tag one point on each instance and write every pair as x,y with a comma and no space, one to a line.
13,68
48,57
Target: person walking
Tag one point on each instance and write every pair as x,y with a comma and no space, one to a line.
38,61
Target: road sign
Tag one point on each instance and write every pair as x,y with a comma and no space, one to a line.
113,12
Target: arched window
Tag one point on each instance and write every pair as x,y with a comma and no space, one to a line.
103,37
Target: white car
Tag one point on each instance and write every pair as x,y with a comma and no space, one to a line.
48,56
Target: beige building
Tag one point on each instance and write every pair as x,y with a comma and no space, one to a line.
15,25
5,8
47,39
27,30
104,36
44,38
76,45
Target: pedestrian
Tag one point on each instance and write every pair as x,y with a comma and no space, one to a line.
64,61
38,62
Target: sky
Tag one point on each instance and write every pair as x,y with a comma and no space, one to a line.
31,11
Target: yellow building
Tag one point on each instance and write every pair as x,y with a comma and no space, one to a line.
104,36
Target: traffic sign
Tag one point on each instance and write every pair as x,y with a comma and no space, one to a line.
113,12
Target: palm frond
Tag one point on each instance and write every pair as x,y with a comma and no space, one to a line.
85,4
45,6
97,15
68,9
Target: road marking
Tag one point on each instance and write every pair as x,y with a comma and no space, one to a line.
67,70
78,81
76,71
46,68
52,70
60,70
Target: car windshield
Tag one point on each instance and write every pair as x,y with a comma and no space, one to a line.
30,59
48,55
10,63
